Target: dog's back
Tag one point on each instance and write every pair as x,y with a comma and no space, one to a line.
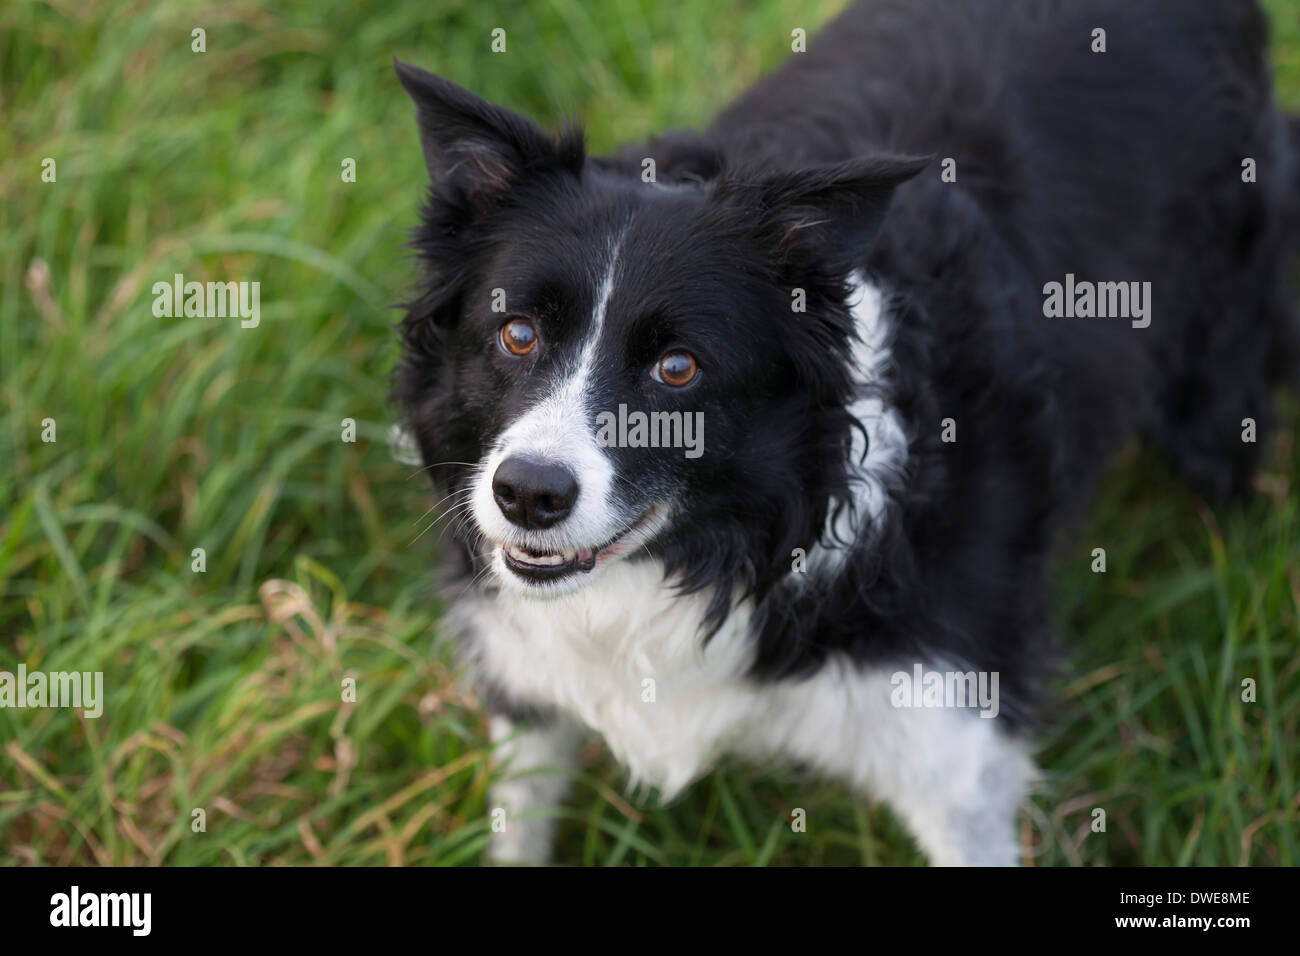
1105,140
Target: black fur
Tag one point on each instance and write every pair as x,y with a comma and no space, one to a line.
1116,166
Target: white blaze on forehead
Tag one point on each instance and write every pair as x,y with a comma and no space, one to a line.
559,429
603,292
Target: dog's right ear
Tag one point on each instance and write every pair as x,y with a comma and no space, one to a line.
470,145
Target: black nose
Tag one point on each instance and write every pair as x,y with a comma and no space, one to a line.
534,494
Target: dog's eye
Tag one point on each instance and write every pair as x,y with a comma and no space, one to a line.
518,337
676,369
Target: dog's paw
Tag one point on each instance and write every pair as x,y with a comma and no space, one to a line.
521,843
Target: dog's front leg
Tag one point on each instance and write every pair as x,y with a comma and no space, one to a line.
960,798
535,761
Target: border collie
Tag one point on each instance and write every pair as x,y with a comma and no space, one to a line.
919,284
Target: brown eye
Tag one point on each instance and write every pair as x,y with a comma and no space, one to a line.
518,337
676,369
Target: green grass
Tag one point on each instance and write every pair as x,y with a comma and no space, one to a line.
223,687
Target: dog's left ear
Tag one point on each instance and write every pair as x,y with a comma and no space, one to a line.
474,146
827,214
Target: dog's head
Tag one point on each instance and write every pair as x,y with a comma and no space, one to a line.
610,360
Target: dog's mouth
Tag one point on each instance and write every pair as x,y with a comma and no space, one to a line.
541,566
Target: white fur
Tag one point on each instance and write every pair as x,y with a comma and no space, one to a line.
877,463
955,779
591,652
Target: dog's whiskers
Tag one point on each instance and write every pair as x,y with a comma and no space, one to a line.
438,464
460,505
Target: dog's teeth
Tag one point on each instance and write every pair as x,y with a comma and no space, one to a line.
542,560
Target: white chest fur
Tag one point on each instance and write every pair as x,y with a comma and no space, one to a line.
625,656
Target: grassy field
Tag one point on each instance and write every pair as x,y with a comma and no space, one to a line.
223,686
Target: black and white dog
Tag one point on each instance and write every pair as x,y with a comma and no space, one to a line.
756,441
